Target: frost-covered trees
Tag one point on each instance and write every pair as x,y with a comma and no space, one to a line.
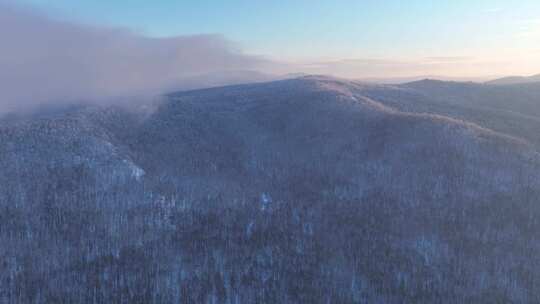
302,191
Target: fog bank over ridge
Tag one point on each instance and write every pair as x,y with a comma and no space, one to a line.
48,61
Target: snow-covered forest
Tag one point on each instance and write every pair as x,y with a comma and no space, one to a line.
310,190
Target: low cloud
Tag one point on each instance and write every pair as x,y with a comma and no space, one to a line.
46,61
446,59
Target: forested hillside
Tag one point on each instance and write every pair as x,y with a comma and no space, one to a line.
309,190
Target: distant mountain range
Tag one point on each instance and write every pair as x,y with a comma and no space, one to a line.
498,81
402,80
515,80
304,190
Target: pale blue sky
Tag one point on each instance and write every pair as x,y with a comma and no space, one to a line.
411,31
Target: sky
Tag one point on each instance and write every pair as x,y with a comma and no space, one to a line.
317,31
108,48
